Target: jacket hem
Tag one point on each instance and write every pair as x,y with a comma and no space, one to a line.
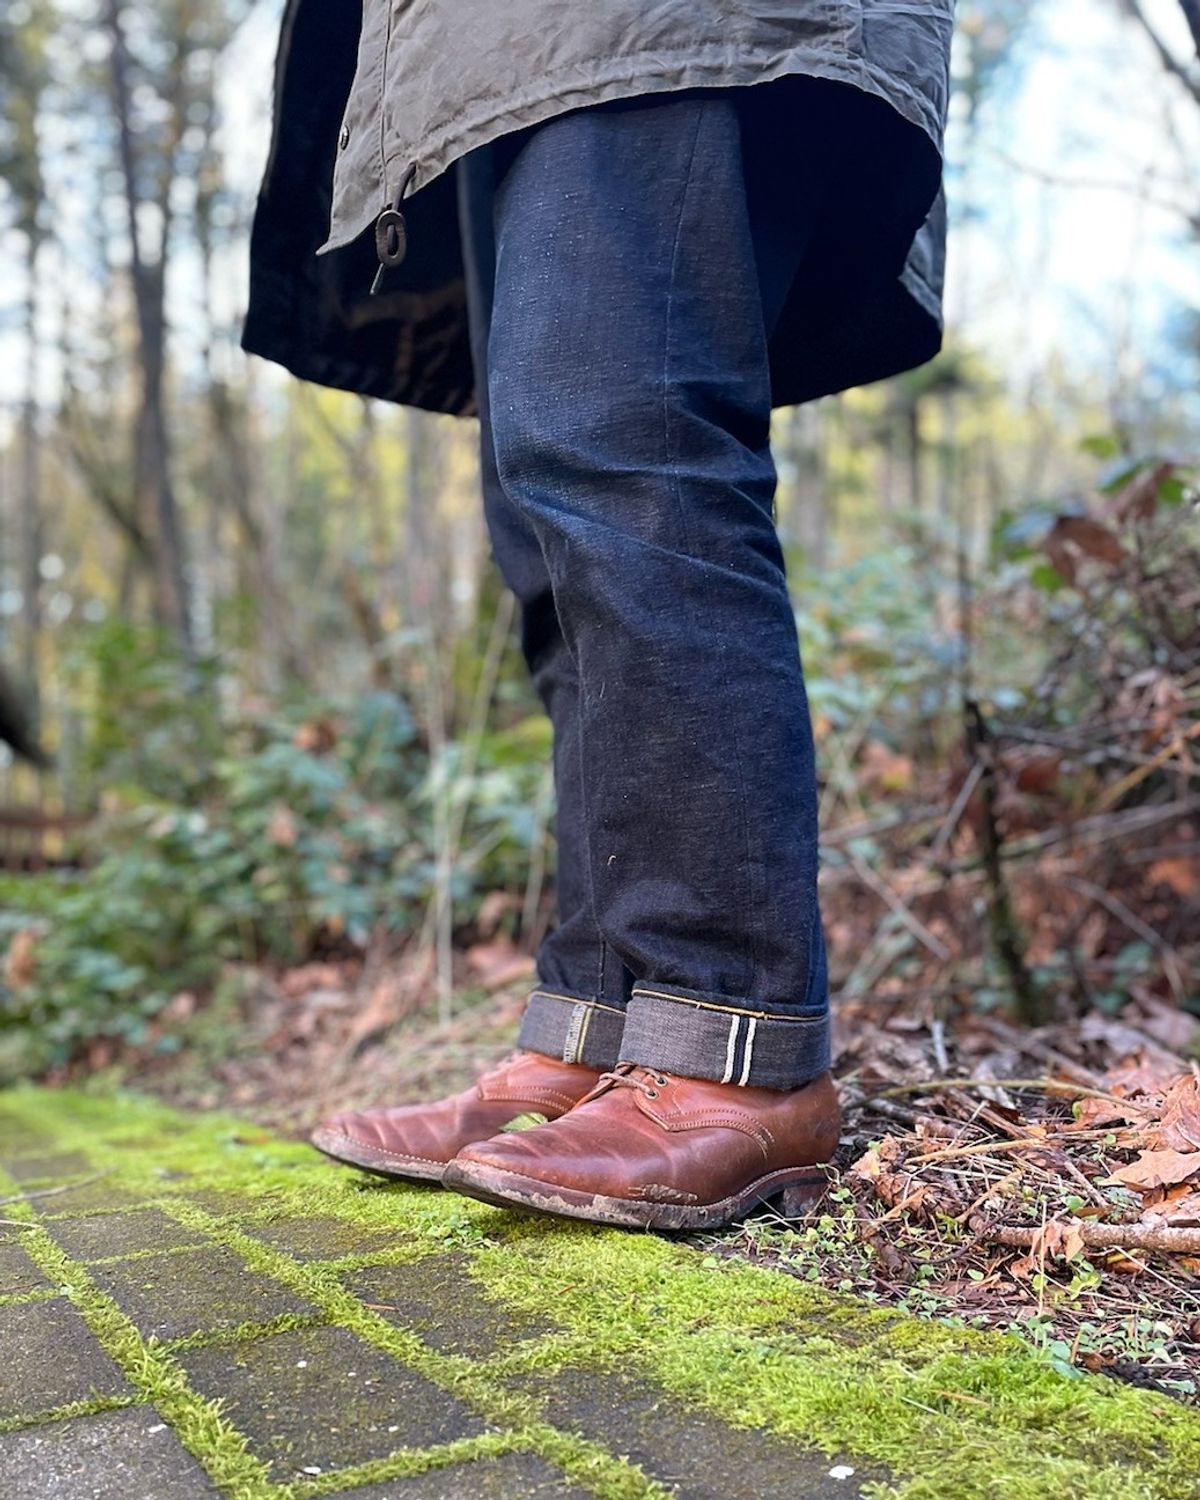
464,132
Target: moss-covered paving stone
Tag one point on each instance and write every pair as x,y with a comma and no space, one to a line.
17,1139
96,1197
325,1238
321,1398
202,1291
55,1166
97,1236
50,1358
436,1299
116,1455
513,1477
18,1274
697,1456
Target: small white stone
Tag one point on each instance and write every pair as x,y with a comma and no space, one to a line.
158,1427
393,1429
310,1469
351,1373
302,1364
841,1471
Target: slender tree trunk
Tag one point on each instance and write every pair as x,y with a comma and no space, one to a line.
916,483
30,493
157,505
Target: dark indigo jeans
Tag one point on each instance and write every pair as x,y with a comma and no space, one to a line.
625,266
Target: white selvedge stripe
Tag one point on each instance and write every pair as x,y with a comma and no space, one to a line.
751,1028
731,1049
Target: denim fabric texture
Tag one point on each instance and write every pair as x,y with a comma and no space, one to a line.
625,265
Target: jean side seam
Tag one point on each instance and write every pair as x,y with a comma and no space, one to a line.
672,459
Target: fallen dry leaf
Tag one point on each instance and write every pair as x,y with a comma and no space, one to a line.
1180,1127
1095,1114
1150,1070
1074,537
1156,1169
1180,1208
315,976
1180,875
498,963
21,960
881,767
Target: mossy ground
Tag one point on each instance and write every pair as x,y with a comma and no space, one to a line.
938,1411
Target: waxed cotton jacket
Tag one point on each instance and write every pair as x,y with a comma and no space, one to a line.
374,103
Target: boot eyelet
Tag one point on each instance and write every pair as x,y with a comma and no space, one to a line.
651,1093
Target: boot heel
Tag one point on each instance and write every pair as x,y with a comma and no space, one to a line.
799,1200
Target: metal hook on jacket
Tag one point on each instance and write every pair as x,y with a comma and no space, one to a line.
391,231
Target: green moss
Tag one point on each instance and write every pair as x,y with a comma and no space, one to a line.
240,1332
71,1409
951,1413
154,1376
18,1299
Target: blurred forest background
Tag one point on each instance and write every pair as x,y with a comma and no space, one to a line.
281,805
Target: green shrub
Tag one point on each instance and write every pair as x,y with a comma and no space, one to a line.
304,829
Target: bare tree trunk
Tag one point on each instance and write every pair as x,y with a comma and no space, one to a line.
157,505
30,501
948,477
916,484
807,519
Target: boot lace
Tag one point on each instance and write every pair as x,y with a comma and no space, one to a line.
628,1075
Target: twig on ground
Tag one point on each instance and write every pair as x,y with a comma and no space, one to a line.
67,1187
1139,1236
1029,1042
1047,1085
980,1148
1114,793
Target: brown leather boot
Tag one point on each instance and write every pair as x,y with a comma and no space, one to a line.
417,1140
652,1151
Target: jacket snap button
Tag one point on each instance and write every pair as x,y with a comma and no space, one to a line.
343,137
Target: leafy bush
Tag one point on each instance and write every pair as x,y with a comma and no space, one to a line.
304,829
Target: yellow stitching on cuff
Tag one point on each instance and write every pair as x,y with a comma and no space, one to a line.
575,1000
728,1010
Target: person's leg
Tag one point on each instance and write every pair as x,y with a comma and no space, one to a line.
639,267
628,385
576,1011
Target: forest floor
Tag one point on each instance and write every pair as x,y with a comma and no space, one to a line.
191,1307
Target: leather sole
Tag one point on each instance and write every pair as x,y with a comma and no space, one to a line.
797,1190
352,1153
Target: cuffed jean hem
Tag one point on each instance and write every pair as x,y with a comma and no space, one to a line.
572,1027
698,1037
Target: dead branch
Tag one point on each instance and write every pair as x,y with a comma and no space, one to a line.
1139,1236
1047,1085
1029,1000
53,1192
1173,65
890,899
